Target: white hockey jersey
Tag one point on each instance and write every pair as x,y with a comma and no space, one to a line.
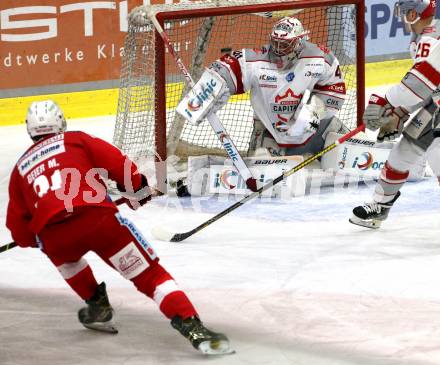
421,82
418,85
277,94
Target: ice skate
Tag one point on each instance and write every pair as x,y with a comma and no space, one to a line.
206,341
371,215
99,313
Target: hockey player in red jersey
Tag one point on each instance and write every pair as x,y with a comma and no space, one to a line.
59,203
418,92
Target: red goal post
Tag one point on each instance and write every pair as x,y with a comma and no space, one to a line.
151,85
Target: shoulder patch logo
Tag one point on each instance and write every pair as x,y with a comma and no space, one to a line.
290,76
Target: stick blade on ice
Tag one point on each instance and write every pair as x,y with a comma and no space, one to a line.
161,233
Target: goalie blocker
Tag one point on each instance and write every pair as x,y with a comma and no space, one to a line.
207,96
201,100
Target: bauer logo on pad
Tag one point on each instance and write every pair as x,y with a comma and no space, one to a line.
197,103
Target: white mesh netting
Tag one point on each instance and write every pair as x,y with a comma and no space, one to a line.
199,41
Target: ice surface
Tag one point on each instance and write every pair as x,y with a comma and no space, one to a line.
288,282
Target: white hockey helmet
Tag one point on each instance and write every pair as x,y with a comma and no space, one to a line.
423,8
287,36
44,117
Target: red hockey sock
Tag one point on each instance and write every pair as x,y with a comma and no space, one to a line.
177,304
159,285
83,283
389,184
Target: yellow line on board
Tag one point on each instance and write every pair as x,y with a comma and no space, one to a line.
75,105
104,102
386,72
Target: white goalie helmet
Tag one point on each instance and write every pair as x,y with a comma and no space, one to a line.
44,117
287,39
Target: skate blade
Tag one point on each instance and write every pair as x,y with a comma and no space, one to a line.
368,223
216,347
107,327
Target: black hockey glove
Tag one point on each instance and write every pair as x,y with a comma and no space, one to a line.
139,197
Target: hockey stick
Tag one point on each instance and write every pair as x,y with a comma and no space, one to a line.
164,235
213,119
196,68
8,246
12,244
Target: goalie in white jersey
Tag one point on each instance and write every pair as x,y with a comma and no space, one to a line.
417,92
296,89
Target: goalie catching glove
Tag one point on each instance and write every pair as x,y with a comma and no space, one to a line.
306,121
381,114
207,96
316,111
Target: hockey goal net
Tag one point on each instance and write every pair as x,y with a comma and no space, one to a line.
151,85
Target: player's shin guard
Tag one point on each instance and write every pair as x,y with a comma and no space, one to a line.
98,314
389,184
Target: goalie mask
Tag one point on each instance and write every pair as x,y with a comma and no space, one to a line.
423,8
44,117
287,40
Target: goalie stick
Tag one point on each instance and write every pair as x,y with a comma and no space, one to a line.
13,244
213,119
163,234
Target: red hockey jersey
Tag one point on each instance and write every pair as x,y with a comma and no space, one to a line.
59,173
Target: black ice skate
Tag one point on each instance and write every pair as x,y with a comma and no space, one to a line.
372,214
206,341
99,313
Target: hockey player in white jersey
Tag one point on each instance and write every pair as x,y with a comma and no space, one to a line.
417,92
296,89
